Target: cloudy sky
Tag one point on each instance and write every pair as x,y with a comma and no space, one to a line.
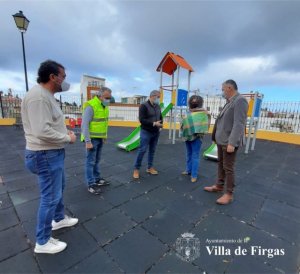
256,43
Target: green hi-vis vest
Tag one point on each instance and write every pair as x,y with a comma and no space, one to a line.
98,126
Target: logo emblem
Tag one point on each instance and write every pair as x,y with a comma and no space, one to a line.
188,247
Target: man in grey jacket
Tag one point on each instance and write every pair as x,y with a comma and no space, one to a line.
228,134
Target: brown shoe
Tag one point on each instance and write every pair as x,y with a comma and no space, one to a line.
136,174
152,171
214,188
226,199
193,180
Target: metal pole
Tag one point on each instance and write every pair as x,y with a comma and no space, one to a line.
188,96
2,111
189,83
175,115
60,102
24,59
179,131
161,78
259,97
251,124
255,122
171,114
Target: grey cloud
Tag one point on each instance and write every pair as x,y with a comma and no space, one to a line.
289,59
127,39
206,31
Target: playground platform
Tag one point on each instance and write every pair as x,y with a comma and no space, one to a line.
134,226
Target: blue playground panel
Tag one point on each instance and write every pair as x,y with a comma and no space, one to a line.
257,107
182,98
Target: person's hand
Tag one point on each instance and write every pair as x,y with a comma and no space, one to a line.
72,136
157,124
88,145
104,140
230,148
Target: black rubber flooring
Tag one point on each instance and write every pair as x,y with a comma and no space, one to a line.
133,226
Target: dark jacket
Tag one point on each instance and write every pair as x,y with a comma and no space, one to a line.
230,125
148,114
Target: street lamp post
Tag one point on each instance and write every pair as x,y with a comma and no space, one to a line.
2,111
22,24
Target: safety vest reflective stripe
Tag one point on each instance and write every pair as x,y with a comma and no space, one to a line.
99,119
97,134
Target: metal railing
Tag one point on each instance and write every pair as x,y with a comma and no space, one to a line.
280,116
275,116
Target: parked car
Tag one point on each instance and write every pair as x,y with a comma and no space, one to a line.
283,126
286,128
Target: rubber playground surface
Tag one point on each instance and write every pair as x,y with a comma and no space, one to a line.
141,226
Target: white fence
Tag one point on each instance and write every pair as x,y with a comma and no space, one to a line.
275,116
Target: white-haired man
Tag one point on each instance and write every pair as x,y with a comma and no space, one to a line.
228,134
151,121
94,133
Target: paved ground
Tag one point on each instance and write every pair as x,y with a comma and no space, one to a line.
133,226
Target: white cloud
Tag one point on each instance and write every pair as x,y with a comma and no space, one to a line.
74,88
15,80
138,79
249,72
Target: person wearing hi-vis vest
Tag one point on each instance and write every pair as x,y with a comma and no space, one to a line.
94,133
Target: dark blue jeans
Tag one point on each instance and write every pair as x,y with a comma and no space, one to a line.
93,156
49,167
192,156
147,139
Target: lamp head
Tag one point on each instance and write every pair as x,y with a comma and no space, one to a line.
21,21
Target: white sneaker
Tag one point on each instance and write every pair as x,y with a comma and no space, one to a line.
51,247
66,222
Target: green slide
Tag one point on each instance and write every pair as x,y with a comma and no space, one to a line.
211,152
133,140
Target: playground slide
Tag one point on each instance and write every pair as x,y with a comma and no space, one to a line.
133,140
211,152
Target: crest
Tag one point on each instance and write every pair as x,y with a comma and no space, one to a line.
188,247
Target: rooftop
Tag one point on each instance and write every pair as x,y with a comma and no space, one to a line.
133,226
93,77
